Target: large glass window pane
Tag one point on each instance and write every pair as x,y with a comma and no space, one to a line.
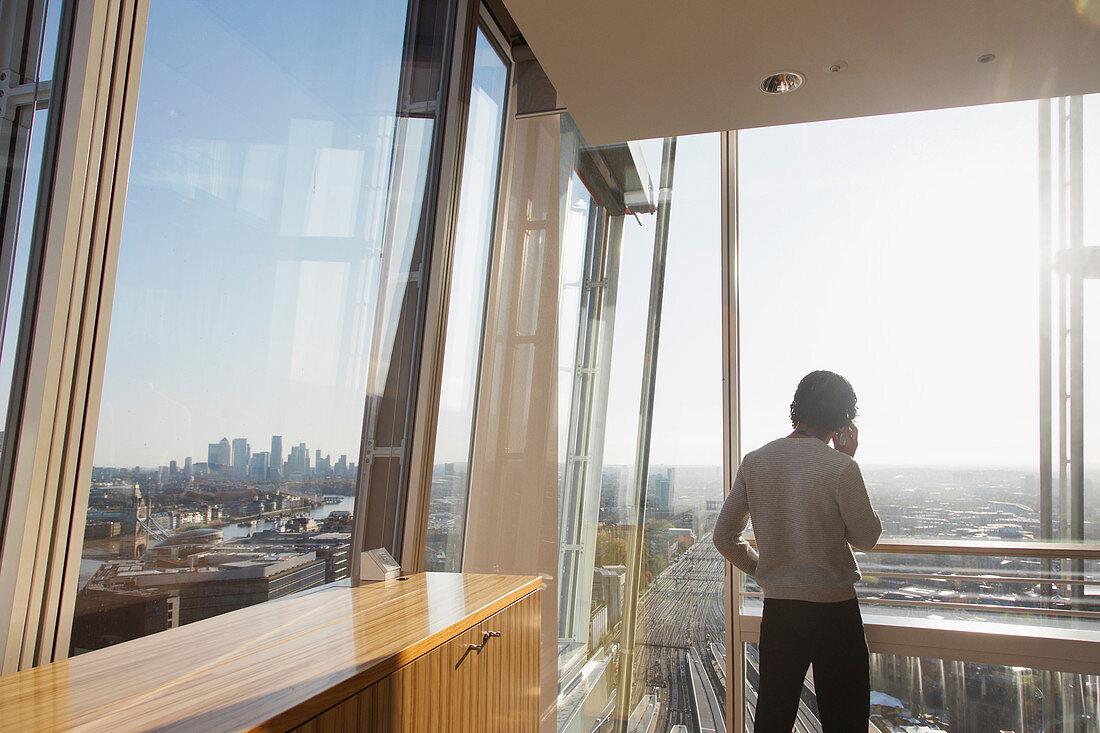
466,308
928,298
910,268
907,253
270,176
681,626
930,695
615,523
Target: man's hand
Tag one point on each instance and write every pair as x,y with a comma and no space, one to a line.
847,440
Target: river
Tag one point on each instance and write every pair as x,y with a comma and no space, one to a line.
232,531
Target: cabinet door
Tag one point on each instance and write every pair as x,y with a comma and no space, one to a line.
455,687
509,668
437,691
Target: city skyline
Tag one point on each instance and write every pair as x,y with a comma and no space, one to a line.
237,450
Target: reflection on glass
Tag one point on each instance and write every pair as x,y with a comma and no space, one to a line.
585,316
19,259
234,388
679,622
930,695
604,288
466,309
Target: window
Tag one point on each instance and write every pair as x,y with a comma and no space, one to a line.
682,632
274,175
641,482
466,308
904,252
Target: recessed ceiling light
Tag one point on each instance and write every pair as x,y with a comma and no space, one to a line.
781,83
985,58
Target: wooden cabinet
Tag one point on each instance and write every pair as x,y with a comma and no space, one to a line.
388,656
456,686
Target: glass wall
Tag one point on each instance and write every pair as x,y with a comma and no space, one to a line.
928,695
606,272
275,173
640,615
903,252
466,308
681,626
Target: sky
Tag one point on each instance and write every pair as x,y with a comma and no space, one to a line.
248,265
899,251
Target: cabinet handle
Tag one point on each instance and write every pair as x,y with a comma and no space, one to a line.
485,636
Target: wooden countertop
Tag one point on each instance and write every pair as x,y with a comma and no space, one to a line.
267,667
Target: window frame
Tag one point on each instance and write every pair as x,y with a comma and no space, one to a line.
413,542
494,36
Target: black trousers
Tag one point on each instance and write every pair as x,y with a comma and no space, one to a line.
796,634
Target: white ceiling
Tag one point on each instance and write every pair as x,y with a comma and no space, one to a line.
652,68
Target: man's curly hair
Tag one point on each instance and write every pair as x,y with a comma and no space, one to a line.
824,401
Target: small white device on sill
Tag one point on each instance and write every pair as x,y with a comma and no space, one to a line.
378,565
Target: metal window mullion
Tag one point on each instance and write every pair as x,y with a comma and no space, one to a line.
378,497
731,432
1063,483
1076,330
41,345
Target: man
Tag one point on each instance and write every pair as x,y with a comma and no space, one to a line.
809,507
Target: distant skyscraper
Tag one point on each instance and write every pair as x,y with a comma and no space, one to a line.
297,465
219,457
173,469
241,453
275,462
188,469
257,465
